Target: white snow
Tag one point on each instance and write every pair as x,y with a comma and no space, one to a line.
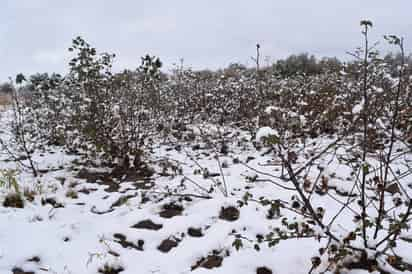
358,107
265,132
75,239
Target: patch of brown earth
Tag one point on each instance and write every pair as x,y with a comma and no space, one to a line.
209,262
167,245
171,210
147,224
263,270
122,240
17,270
195,232
230,213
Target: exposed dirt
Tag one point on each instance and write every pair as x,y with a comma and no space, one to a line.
131,174
209,262
111,270
122,200
87,190
102,178
147,224
263,270
122,240
13,200
195,232
34,259
17,270
141,177
230,213
52,202
167,245
171,210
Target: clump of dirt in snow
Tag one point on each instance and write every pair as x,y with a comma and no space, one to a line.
122,240
167,245
209,262
147,224
52,202
230,213
13,200
140,175
171,210
107,269
17,270
122,200
195,232
102,178
35,259
263,270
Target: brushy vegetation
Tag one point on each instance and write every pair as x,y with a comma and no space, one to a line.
364,107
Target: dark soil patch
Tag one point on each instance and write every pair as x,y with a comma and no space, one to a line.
122,200
171,210
87,190
230,213
263,270
393,188
167,245
195,232
122,240
209,262
52,202
102,178
35,259
17,270
106,269
119,174
147,224
13,200
132,174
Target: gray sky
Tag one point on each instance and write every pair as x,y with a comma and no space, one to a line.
35,34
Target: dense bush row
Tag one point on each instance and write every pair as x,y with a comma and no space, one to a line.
111,114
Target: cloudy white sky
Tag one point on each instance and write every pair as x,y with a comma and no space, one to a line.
35,34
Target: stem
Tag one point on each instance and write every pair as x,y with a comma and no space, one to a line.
392,142
365,134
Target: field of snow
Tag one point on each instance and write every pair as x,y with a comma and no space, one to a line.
79,219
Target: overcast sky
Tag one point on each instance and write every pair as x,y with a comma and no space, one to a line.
35,34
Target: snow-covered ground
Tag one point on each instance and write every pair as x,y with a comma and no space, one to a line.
77,226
